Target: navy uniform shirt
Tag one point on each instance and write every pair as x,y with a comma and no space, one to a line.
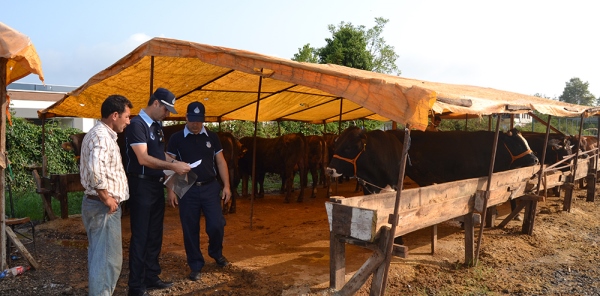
188,147
143,130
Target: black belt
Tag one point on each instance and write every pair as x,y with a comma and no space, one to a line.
94,197
204,182
147,177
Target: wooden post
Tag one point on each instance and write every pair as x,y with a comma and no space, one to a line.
434,235
469,238
394,217
568,202
337,262
3,62
487,191
376,287
490,217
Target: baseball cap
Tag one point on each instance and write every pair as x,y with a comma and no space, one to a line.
195,112
165,97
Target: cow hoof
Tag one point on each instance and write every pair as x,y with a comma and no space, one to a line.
286,201
300,200
313,196
232,211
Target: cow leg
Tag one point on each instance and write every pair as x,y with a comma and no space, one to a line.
358,186
303,177
315,178
244,185
260,182
234,196
283,183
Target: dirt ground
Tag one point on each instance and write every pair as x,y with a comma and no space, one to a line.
285,251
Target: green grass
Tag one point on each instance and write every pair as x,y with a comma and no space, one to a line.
30,205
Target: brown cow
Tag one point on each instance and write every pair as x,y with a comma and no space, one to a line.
232,152
279,155
74,145
316,161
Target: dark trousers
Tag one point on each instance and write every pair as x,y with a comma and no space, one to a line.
147,212
205,199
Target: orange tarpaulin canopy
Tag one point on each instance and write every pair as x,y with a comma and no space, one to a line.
228,82
20,53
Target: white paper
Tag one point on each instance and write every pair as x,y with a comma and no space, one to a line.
168,173
195,164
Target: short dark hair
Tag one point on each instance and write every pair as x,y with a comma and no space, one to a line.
436,118
114,103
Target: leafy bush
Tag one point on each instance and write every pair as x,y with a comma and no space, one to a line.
24,149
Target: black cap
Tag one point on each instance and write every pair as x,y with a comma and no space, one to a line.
165,97
195,112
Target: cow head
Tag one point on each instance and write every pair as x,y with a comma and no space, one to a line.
348,148
518,149
74,145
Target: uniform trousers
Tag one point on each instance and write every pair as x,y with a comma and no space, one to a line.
147,212
203,199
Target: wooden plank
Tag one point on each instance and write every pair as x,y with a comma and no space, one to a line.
420,207
13,238
352,221
363,273
44,194
400,251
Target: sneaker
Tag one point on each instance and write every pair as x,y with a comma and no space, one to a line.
222,262
518,217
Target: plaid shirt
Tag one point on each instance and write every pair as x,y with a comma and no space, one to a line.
101,166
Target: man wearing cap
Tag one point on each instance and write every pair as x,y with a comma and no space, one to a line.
190,145
145,160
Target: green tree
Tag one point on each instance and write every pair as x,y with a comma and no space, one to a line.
384,56
355,47
347,47
306,54
576,92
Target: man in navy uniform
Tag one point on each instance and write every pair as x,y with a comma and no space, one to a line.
145,161
190,145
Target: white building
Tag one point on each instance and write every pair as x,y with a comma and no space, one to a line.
27,99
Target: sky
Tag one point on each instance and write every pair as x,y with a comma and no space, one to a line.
526,47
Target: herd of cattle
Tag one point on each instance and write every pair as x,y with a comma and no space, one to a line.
373,157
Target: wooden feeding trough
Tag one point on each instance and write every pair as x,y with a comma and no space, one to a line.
365,220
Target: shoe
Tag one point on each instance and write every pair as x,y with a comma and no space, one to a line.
159,284
194,275
518,218
137,293
222,262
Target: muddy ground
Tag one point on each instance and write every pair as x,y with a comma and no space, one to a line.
284,250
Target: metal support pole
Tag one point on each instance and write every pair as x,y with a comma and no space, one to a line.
394,218
487,190
260,79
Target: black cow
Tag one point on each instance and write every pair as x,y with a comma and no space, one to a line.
434,157
557,148
282,155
